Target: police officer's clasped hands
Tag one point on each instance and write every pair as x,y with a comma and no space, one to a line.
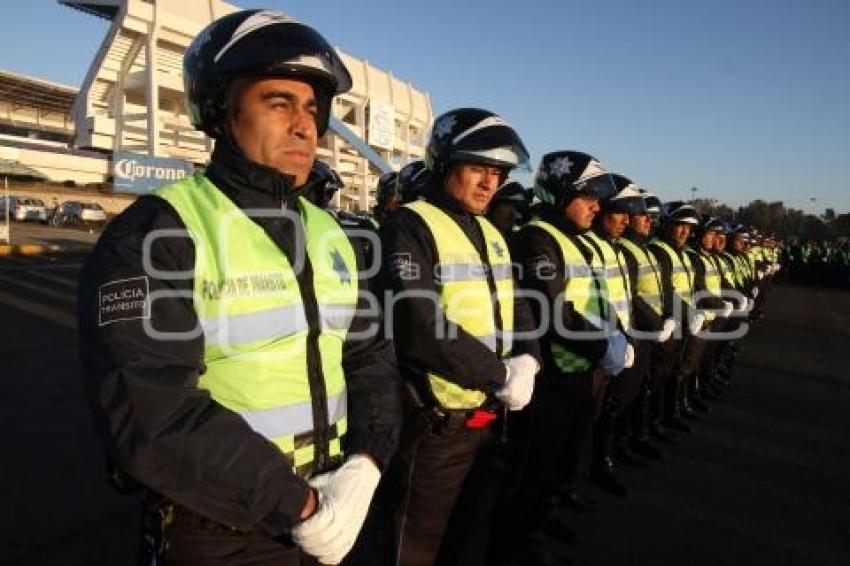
344,496
519,383
618,356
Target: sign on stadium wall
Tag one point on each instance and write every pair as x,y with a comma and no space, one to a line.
138,173
381,125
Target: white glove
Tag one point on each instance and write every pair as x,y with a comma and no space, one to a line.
777,267
696,323
519,384
630,356
344,498
728,307
755,292
667,330
614,360
760,274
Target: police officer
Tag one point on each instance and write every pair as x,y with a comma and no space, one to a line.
326,182
508,209
613,396
447,272
653,326
677,276
707,285
411,180
387,199
228,359
581,337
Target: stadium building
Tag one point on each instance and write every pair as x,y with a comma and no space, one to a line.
126,128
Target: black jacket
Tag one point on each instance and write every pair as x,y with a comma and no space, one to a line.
645,317
409,258
543,270
158,425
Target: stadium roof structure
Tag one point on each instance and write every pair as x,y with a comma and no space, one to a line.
30,91
106,9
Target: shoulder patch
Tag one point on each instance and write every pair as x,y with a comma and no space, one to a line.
124,299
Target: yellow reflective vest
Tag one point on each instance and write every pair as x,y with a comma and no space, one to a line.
255,326
682,277
585,288
616,278
648,283
475,291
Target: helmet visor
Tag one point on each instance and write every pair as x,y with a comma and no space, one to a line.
599,186
494,143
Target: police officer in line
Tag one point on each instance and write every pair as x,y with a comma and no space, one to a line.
509,208
611,395
711,384
707,283
581,337
411,180
325,182
455,311
653,324
386,197
229,360
677,276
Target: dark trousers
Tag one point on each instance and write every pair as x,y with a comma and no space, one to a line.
425,482
665,359
546,442
688,370
192,540
625,392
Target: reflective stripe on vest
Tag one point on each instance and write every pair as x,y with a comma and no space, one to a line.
616,278
682,279
464,277
255,328
736,277
583,288
648,275
712,276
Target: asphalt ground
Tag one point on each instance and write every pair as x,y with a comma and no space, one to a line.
764,479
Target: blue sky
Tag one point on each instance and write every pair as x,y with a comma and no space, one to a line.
743,99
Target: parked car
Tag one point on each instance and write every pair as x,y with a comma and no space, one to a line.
23,209
76,213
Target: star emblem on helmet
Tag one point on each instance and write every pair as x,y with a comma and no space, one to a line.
560,167
444,126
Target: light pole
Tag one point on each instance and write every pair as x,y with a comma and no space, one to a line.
694,194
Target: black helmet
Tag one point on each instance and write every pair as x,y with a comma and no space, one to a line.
257,43
410,181
563,175
679,212
710,223
327,182
514,193
653,203
386,190
628,198
476,135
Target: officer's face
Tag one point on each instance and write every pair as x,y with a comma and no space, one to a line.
274,123
708,240
641,224
581,211
473,185
720,242
739,244
614,223
679,233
